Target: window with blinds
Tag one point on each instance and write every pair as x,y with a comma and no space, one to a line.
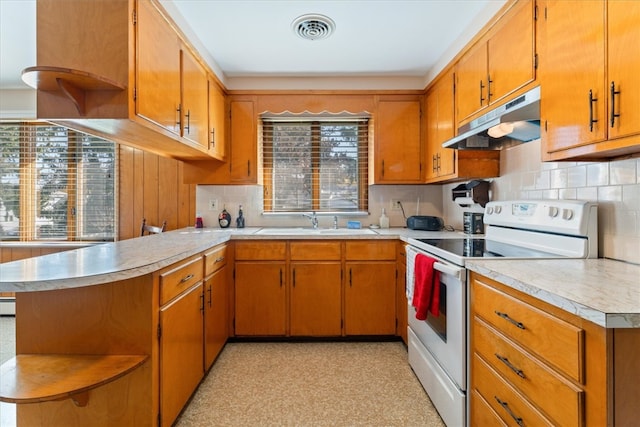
56,184
318,165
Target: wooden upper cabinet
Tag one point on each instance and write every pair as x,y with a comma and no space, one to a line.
157,69
499,64
217,143
194,105
439,107
589,73
244,142
398,144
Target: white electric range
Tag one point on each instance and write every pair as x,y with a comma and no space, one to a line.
527,230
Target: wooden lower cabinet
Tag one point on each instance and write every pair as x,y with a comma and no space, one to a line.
401,294
535,364
216,315
369,298
181,335
260,298
316,295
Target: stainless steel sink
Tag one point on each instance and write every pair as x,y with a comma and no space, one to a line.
317,231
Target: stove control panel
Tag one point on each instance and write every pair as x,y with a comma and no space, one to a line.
573,217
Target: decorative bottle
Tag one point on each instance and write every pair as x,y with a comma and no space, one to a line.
240,219
224,219
384,219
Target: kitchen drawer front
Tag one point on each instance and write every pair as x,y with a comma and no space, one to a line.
503,399
179,278
317,250
261,250
370,250
482,414
554,340
555,396
215,259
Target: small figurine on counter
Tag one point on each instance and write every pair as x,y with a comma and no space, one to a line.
240,219
224,219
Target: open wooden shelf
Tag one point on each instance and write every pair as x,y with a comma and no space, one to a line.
31,378
73,83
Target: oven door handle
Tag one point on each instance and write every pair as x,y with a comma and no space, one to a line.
448,270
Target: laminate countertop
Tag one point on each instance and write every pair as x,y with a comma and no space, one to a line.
603,291
109,262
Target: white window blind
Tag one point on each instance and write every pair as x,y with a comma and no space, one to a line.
318,165
56,184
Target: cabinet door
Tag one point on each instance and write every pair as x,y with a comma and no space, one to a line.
572,71
244,149
401,298
216,314
440,128
369,298
180,352
195,115
217,141
472,82
398,143
157,69
316,295
511,53
624,67
260,298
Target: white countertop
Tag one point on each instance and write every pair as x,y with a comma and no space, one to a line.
603,291
108,262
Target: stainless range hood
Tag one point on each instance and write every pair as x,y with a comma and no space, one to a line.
515,122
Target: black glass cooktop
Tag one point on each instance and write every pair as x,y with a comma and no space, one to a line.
482,248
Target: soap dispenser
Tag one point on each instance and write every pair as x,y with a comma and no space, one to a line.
384,219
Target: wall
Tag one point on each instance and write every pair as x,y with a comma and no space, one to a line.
615,185
421,199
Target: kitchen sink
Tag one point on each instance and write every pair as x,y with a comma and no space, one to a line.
311,231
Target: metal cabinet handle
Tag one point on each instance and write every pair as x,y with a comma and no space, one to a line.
350,278
210,295
186,278
382,168
591,119
179,116
505,405
202,302
294,278
506,317
506,361
481,97
489,81
188,126
614,92
219,259
248,167
213,138
280,277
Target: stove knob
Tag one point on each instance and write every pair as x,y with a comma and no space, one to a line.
489,210
567,214
553,211
498,209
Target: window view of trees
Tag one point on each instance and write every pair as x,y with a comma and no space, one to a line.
316,165
56,184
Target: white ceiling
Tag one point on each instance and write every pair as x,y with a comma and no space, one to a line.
250,44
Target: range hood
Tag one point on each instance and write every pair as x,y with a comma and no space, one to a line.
515,122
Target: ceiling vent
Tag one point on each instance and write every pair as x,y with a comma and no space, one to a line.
313,27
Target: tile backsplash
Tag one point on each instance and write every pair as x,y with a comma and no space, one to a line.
615,185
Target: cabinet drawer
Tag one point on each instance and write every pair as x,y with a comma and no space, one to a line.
215,259
558,398
263,250
370,250
329,251
482,414
552,339
503,399
179,277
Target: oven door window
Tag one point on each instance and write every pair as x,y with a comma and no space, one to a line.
439,323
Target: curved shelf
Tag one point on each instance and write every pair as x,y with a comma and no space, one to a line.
73,83
31,378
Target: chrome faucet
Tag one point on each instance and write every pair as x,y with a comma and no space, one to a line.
314,219
335,222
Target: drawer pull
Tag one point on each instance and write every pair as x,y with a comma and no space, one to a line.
506,317
219,259
186,278
505,405
510,365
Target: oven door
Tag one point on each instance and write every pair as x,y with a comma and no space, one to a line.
444,336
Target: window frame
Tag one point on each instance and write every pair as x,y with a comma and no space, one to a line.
315,126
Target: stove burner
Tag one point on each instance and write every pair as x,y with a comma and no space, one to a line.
483,248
